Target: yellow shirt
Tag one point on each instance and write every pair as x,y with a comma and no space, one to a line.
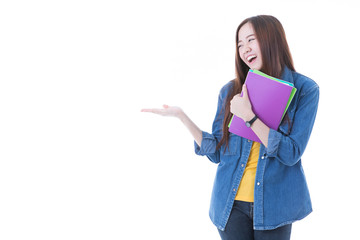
246,188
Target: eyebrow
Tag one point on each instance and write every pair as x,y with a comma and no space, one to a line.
248,36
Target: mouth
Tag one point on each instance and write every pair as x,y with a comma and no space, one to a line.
251,58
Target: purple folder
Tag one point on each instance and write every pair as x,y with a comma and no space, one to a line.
269,99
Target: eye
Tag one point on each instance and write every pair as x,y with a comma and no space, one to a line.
251,39
240,46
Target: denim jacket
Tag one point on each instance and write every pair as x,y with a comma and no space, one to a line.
281,193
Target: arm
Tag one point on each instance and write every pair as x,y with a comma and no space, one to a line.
261,130
205,143
288,149
191,126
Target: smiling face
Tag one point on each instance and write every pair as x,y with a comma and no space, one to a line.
249,49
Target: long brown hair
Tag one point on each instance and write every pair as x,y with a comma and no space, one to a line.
275,56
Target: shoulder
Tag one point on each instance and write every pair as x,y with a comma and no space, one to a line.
224,91
304,84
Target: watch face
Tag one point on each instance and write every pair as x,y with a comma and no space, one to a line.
248,124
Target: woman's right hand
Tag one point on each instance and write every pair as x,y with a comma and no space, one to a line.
169,111
179,113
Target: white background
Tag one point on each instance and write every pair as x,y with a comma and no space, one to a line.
78,160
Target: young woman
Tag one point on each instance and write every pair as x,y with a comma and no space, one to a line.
260,188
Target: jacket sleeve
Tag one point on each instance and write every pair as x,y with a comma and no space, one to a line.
210,141
288,149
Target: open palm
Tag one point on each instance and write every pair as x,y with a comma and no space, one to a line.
170,111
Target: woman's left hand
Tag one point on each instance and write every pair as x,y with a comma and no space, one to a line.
241,106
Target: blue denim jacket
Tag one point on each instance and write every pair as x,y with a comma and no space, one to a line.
281,194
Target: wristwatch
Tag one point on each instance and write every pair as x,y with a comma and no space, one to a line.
249,123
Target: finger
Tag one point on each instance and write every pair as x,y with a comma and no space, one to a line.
235,96
152,110
244,91
231,109
155,110
146,110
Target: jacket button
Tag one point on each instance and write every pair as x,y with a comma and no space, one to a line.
242,165
249,140
258,183
262,157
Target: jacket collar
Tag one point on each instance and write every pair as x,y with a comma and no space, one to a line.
287,75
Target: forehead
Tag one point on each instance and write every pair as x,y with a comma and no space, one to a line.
245,31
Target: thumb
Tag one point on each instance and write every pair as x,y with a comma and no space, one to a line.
244,91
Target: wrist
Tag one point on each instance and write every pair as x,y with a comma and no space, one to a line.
249,116
181,115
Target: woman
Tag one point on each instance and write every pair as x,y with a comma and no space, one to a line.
259,189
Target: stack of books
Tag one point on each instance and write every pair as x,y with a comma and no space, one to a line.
270,98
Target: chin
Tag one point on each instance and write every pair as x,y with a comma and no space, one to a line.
256,68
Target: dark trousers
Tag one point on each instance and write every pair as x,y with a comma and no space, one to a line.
240,226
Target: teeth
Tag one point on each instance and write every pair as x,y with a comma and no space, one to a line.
249,58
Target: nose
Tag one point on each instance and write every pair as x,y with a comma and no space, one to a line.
247,49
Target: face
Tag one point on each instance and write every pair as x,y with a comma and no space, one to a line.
249,48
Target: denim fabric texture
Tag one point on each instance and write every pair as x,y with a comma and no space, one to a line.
281,193
240,225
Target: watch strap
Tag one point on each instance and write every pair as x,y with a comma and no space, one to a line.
249,123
